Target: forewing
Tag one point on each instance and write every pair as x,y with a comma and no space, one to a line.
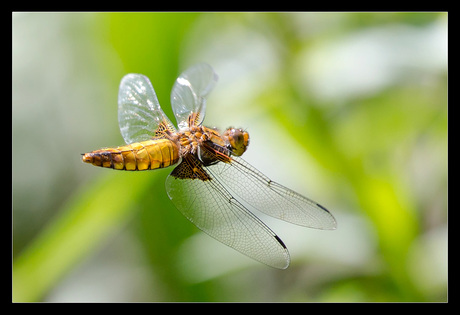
267,196
189,93
208,205
139,112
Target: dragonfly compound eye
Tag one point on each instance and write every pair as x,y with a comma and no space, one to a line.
238,140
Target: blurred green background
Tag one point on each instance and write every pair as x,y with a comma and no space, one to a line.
349,109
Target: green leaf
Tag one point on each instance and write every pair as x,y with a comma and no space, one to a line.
93,213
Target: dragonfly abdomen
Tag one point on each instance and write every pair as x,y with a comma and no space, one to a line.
139,156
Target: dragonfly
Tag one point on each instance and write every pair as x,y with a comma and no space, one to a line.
211,185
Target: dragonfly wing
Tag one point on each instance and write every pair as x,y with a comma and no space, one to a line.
139,112
189,93
267,196
207,204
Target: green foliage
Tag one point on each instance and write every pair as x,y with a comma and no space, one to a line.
92,215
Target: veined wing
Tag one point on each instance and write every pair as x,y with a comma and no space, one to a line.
139,112
203,199
267,196
189,93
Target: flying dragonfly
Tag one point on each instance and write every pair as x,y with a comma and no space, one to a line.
210,183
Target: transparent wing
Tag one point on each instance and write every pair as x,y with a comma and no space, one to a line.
139,112
208,205
267,196
190,91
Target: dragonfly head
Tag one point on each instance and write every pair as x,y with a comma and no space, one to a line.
237,139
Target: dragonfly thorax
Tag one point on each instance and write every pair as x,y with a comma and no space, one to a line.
191,139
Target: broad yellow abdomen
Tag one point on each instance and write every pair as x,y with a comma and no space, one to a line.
139,156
